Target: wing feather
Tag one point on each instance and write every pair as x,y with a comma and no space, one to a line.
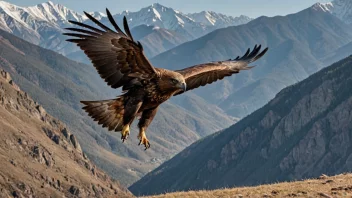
112,21
125,26
114,54
200,75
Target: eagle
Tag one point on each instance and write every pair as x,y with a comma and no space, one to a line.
120,61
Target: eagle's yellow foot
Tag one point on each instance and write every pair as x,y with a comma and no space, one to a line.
143,139
125,132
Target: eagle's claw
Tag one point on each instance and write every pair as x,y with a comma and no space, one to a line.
125,133
143,140
124,138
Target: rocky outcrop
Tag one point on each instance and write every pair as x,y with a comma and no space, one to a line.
305,131
40,156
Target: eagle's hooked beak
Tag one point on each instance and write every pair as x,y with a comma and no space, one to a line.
183,86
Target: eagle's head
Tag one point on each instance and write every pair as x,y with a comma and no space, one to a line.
171,81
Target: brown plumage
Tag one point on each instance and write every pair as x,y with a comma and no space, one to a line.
120,61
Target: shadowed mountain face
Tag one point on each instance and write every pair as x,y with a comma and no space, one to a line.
32,141
306,130
298,45
59,84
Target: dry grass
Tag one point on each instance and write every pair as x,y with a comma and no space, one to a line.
336,186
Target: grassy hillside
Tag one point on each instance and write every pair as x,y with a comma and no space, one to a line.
324,187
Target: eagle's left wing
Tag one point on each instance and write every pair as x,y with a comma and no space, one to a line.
119,59
207,73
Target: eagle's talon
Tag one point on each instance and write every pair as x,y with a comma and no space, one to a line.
143,139
125,133
147,146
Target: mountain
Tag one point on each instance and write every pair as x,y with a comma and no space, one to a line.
40,156
340,53
43,25
156,40
190,25
98,15
294,54
59,84
303,132
340,8
210,18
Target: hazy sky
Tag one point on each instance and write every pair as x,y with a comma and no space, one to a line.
252,8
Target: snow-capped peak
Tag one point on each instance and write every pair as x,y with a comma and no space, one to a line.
340,8
216,19
98,15
325,7
194,25
50,11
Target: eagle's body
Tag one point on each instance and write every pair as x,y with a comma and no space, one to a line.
121,63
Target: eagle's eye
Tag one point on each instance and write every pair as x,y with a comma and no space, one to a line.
174,81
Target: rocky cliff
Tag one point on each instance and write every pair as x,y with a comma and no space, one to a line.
306,130
40,157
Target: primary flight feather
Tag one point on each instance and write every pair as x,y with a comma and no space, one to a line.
120,61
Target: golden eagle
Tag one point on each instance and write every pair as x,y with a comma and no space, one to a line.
120,61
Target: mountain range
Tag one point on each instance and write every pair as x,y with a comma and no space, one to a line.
160,30
299,45
305,131
192,25
43,24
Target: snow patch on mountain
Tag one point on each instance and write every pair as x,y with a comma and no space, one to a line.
98,15
342,9
216,19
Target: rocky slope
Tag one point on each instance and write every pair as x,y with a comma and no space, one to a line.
306,130
59,84
40,157
298,45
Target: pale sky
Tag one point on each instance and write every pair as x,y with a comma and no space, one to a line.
252,8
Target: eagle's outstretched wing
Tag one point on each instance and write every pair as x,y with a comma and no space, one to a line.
117,57
200,75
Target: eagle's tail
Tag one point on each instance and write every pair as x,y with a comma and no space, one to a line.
108,113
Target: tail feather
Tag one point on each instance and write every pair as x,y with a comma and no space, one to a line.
108,113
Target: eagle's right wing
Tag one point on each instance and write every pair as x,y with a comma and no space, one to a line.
207,73
117,57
